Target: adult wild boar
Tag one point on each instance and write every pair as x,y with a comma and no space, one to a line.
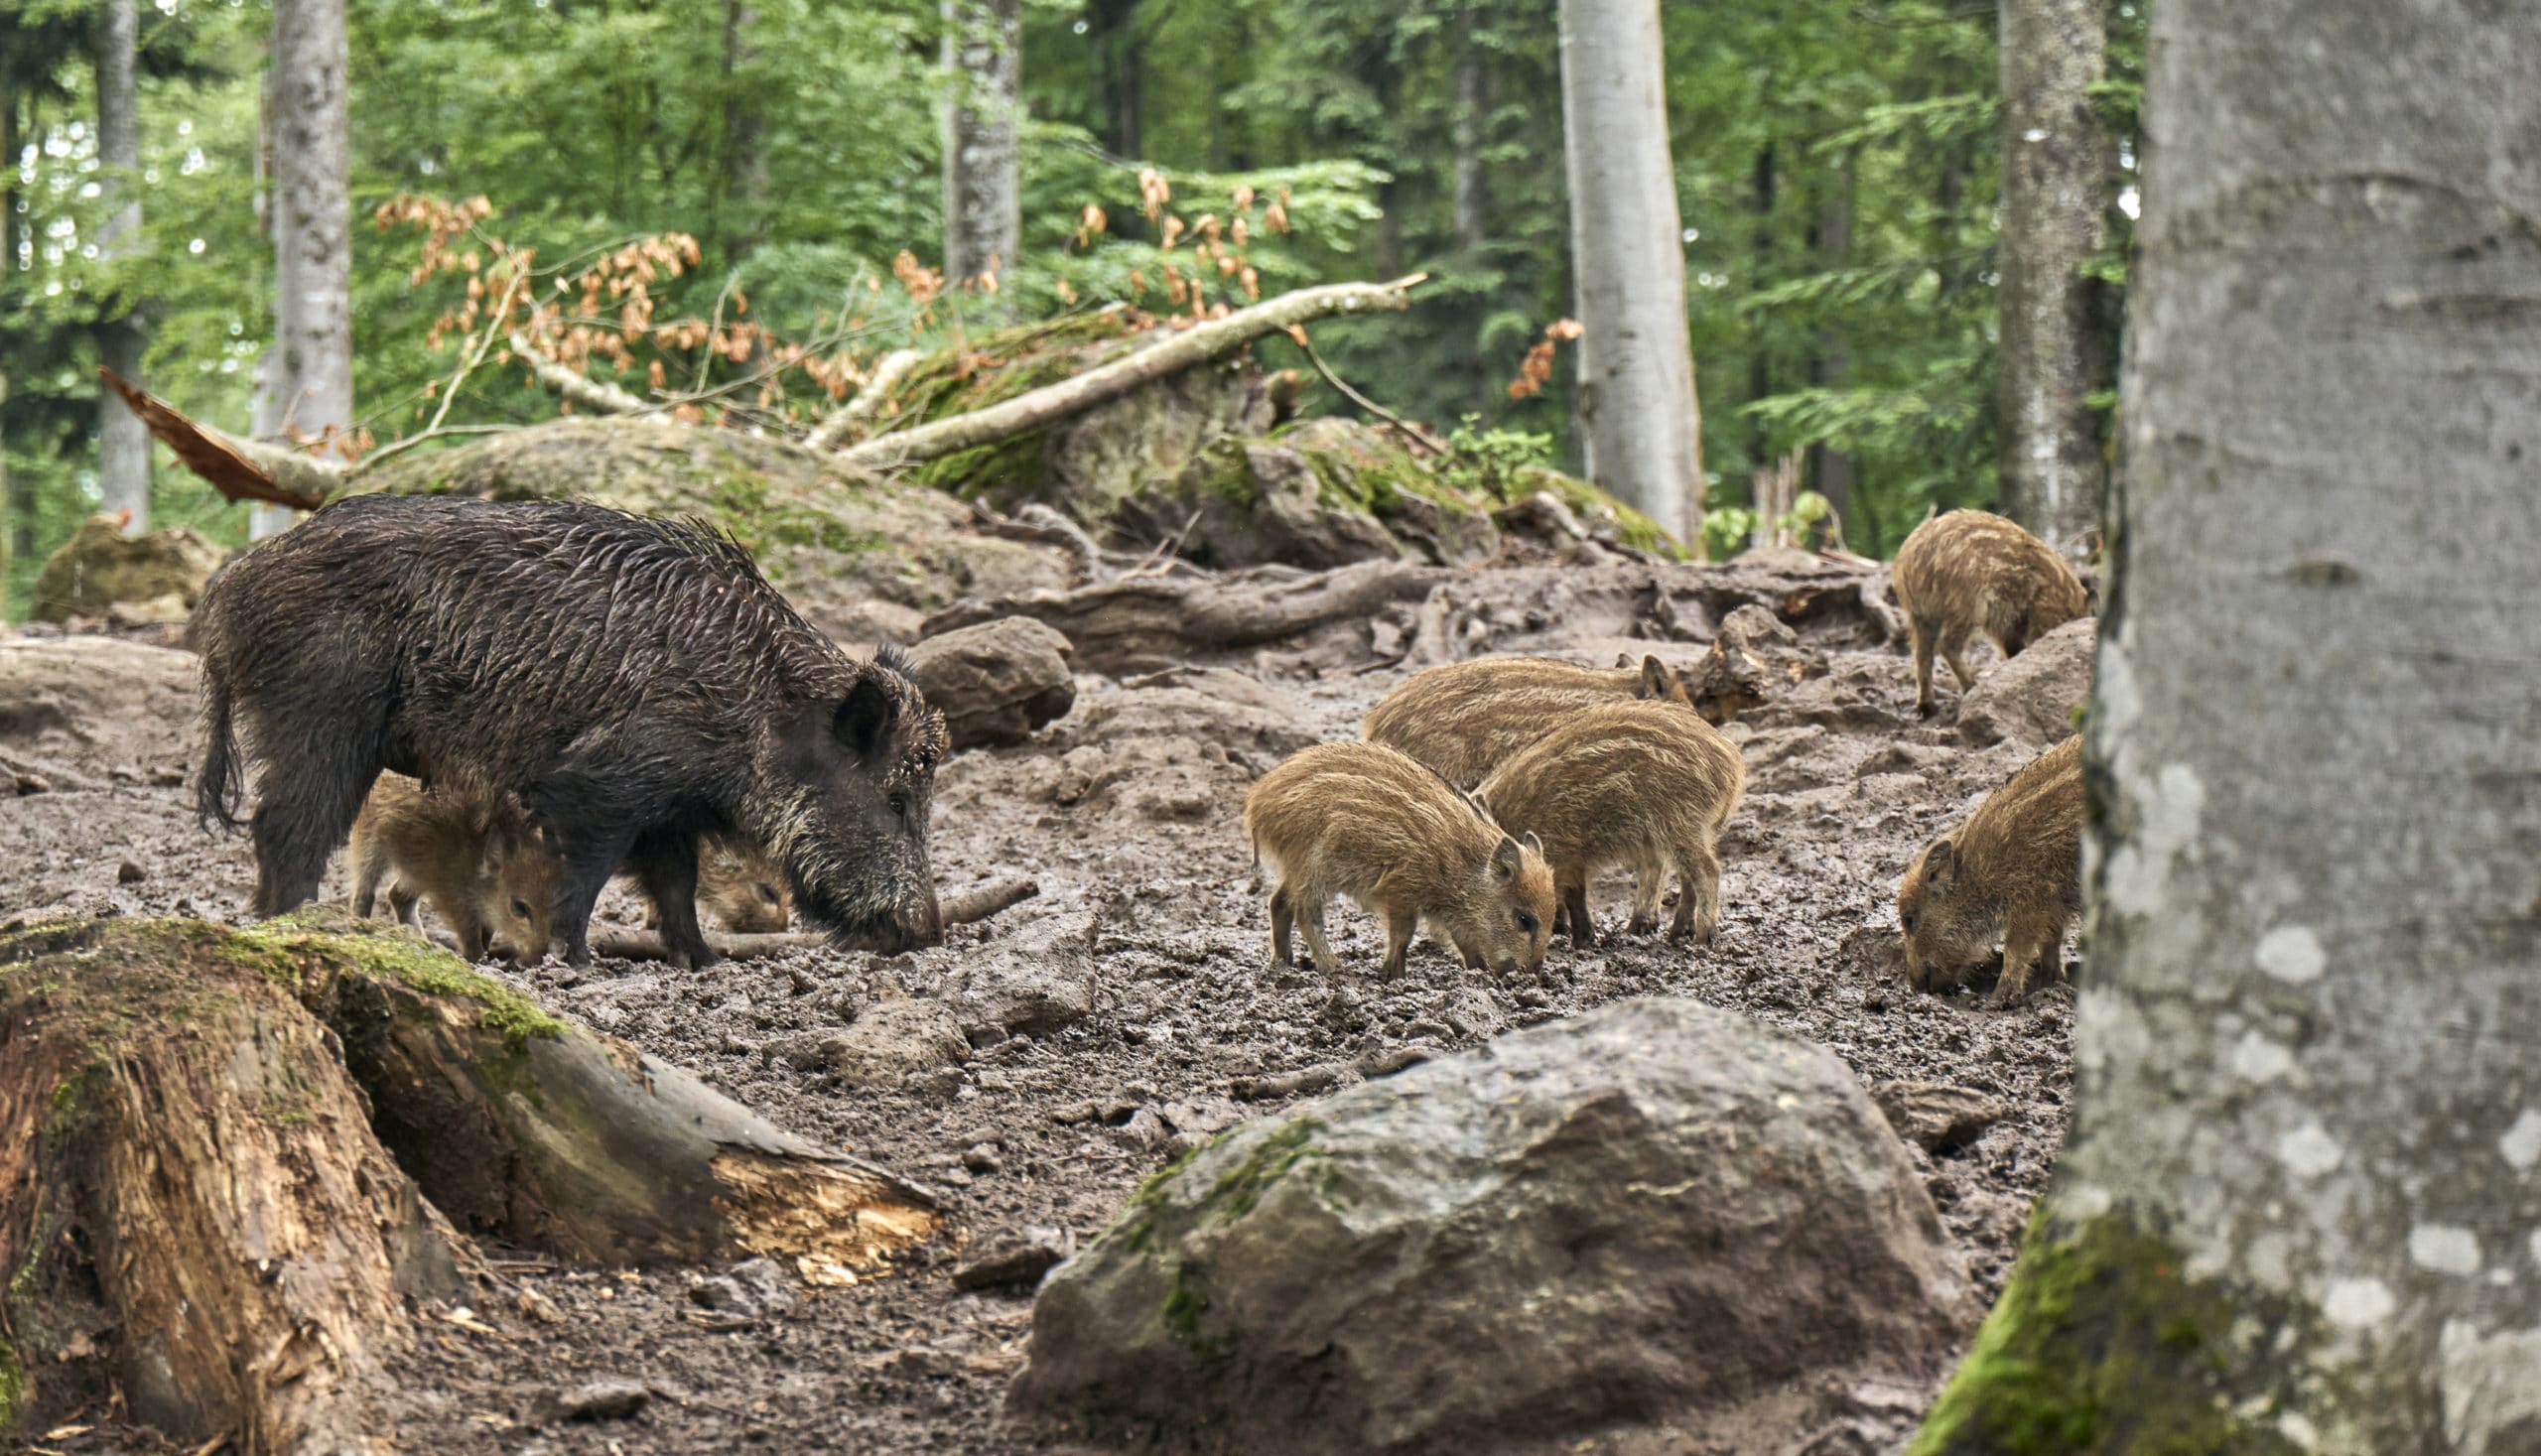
635,682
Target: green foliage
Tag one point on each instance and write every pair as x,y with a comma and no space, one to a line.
1835,168
1493,462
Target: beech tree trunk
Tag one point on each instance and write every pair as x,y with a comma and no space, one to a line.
2298,1208
1119,66
123,446
216,1148
311,363
2056,168
983,107
1830,471
1643,429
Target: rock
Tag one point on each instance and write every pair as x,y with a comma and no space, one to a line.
1934,1117
998,682
100,566
91,703
1032,981
891,1040
1208,704
2029,699
602,1399
1016,1259
980,1158
1254,502
755,1289
128,873
1640,1217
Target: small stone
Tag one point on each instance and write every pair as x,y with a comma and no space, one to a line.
540,1308
979,1158
33,783
129,873
754,1290
602,1399
1014,1259
1936,1117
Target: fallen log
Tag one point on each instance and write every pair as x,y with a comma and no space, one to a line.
860,413
1196,345
216,1148
239,469
1139,622
961,909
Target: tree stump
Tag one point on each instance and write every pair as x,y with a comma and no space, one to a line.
225,1156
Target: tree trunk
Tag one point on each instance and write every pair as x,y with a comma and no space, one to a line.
1830,471
1760,359
123,446
1636,360
216,1148
1120,64
983,107
312,364
2297,1211
2054,204
744,171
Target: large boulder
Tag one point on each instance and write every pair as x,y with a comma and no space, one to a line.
2030,699
101,571
95,704
1254,503
997,682
1648,1215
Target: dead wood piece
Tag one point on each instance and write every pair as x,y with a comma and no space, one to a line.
1141,622
962,909
195,1208
599,396
1197,345
855,416
240,469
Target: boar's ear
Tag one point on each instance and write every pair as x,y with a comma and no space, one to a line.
1503,860
1623,659
1654,678
1534,846
1941,861
863,720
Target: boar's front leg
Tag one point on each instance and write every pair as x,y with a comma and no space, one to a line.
665,861
586,869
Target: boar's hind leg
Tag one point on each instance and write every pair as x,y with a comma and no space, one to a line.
1921,637
1954,651
1574,902
1401,921
1283,917
665,861
1698,893
310,803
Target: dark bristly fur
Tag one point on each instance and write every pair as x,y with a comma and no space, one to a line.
635,682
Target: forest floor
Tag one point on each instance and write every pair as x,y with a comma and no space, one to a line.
1128,811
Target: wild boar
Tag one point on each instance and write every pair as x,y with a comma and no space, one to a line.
1641,784
1465,718
2013,871
1364,821
635,682
1970,572
478,860
741,886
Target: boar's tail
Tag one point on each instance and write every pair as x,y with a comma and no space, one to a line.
216,794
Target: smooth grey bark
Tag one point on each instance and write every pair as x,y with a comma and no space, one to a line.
2055,170
123,444
1119,68
1637,405
2306,1093
310,366
983,107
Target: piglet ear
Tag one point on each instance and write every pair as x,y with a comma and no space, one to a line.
1534,846
863,723
1941,862
1503,860
1654,681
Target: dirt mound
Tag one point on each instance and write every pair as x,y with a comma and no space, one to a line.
101,573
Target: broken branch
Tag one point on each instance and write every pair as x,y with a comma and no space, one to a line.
1195,346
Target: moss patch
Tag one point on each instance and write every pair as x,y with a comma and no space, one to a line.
1240,1189
2101,1344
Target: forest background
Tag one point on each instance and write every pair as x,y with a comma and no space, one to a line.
1837,167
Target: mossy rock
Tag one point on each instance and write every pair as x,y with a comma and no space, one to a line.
831,536
1087,462
158,577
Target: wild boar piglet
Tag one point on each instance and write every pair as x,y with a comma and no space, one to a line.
476,858
1465,718
2012,872
1364,821
1646,785
1970,572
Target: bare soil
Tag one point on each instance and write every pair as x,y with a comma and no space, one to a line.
1128,811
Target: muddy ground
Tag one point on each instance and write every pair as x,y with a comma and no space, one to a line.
1127,812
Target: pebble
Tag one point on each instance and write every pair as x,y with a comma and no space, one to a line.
601,1399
